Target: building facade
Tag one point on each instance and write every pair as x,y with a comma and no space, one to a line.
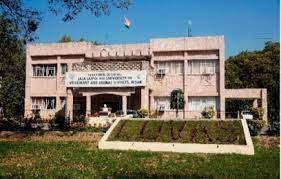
78,78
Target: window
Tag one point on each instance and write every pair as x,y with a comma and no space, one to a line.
44,70
43,103
63,68
199,103
201,67
162,103
173,67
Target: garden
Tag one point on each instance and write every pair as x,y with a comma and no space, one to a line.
204,132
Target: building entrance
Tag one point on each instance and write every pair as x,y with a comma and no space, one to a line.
112,101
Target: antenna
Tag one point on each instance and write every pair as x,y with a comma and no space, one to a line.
189,28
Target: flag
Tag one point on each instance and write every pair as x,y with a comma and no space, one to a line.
127,23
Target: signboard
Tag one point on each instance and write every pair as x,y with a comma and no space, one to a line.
106,78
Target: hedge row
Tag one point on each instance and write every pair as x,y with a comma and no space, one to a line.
207,132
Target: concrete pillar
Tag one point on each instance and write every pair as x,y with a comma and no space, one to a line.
221,78
185,86
264,103
69,104
124,104
88,105
152,106
144,98
28,76
58,104
255,103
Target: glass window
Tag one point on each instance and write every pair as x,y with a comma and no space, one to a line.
199,103
172,67
44,70
201,67
63,68
195,68
43,103
49,103
162,102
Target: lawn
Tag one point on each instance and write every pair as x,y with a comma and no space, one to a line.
203,132
57,154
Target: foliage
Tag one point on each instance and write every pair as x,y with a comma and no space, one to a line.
177,100
142,112
208,112
25,20
71,9
60,121
257,69
255,126
65,38
273,128
80,118
210,132
153,114
12,69
257,113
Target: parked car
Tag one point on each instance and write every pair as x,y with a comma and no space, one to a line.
130,113
247,115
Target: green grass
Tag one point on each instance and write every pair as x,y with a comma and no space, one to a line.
83,159
203,132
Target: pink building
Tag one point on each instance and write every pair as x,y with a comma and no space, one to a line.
79,77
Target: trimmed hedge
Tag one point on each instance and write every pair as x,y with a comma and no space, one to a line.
203,132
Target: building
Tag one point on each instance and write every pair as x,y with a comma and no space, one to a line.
78,77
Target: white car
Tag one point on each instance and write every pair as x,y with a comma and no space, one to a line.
247,115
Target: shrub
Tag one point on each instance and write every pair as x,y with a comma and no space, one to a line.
177,100
112,115
80,118
153,114
208,112
255,126
142,113
257,113
60,120
273,128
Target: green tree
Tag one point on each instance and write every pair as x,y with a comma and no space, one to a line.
12,69
27,20
257,69
65,38
177,100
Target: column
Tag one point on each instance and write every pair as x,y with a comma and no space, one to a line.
29,71
152,106
88,105
58,104
185,87
264,103
69,104
144,97
221,79
255,103
124,104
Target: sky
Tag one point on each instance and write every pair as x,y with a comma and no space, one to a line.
245,24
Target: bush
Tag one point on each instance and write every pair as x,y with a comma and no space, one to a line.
208,113
60,120
153,114
274,128
80,118
255,126
112,115
142,113
257,113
